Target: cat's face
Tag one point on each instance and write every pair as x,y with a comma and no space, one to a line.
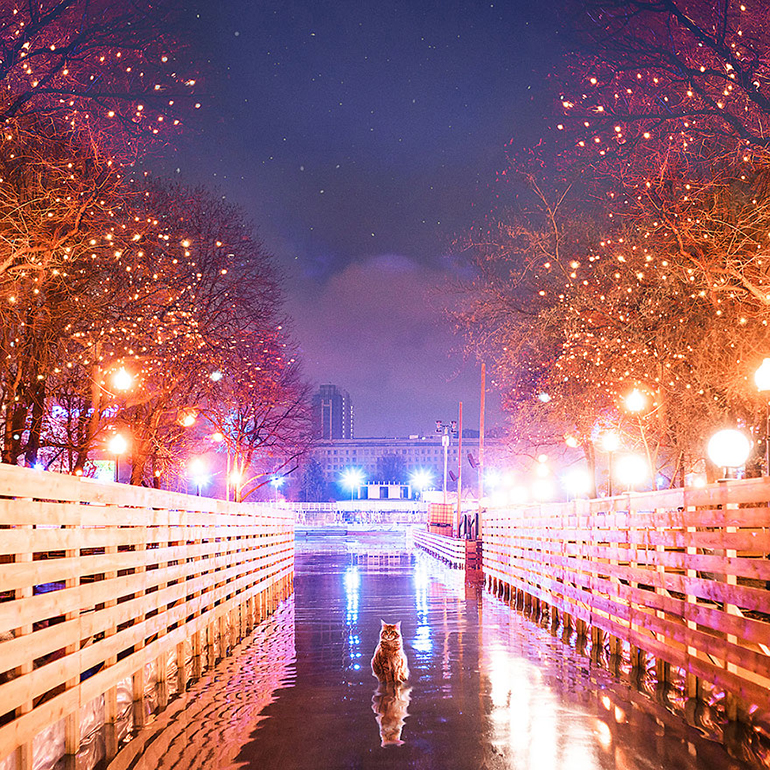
390,631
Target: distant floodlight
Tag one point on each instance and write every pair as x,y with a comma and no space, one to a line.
421,478
216,375
353,478
729,448
544,397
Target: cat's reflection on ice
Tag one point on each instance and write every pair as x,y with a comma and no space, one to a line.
390,704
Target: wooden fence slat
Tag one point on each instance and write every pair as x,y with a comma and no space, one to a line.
682,575
102,570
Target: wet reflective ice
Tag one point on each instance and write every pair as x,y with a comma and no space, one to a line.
489,688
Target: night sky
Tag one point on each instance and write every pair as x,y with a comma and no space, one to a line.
360,137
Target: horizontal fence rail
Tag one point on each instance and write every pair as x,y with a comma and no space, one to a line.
447,549
681,574
102,583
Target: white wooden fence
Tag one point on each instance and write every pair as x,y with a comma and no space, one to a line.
448,549
682,575
99,581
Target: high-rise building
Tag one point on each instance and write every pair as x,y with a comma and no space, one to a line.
332,413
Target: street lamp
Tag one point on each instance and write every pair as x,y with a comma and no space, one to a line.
446,431
728,449
187,417
117,446
276,482
610,444
762,380
197,471
352,478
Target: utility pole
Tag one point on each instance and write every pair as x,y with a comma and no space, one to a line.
459,471
481,446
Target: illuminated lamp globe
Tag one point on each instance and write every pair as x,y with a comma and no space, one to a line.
122,379
610,441
635,401
729,448
762,376
197,467
632,470
118,444
578,482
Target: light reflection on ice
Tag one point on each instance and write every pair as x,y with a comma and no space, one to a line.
352,582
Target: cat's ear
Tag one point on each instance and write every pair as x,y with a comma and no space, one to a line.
382,623
398,625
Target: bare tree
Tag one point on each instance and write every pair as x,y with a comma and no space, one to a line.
98,64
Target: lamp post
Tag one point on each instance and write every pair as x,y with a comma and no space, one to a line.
729,449
447,430
198,473
235,477
610,444
117,446
762,380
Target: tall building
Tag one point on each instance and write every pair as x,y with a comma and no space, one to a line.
332,413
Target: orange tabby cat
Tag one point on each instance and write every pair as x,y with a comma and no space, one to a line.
390,703
389,661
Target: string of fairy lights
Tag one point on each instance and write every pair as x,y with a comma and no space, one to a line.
645,260
106,271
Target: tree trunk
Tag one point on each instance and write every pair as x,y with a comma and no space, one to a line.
590,454
91,415
36,424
